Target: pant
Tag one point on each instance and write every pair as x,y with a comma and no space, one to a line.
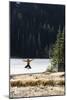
28,66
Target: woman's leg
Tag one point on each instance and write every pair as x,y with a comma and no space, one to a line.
26,66
29,66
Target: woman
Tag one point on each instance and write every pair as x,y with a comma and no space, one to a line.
28,63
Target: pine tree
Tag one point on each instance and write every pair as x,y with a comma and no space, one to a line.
58,49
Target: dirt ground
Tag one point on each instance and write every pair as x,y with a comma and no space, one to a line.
42,84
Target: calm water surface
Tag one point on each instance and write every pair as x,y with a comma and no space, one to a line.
38,65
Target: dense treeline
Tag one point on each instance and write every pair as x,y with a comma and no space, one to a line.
33,28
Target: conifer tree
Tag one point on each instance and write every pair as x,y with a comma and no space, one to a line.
58,49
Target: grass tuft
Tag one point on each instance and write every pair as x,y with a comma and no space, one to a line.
36,82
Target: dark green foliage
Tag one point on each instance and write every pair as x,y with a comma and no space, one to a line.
58,49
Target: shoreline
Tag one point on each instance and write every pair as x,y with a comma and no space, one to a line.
39,84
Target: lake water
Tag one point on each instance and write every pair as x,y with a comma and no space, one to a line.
38,65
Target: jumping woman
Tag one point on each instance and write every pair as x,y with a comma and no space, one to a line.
28,63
